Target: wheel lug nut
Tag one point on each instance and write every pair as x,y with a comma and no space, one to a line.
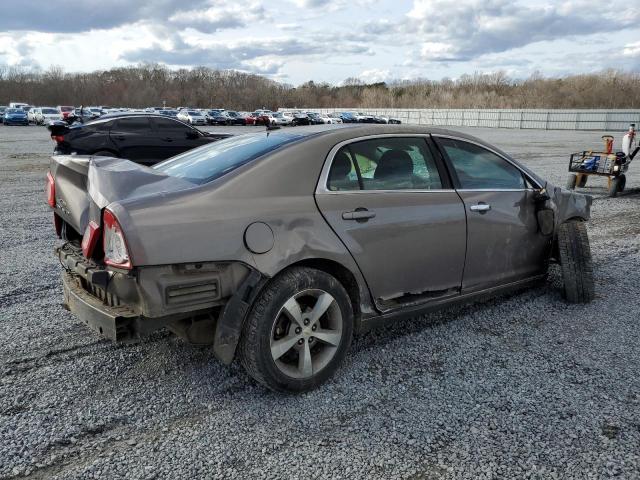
306,321
301,341
314,328
298,330
311,339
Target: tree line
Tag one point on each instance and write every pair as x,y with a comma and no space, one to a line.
151,84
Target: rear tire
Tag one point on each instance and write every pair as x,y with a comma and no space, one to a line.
571,181
574,254
279,349
623,182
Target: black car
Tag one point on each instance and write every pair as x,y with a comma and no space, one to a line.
215,117
315,118
301,119
142,138
235,118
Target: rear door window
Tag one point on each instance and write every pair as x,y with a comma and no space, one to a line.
391,163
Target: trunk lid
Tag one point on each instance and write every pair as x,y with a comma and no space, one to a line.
84,185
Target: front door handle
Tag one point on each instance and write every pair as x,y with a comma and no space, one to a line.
359,214
481,207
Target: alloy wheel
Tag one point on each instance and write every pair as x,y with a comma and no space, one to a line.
306,333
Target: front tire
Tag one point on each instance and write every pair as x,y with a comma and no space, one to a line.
614,186
298,331
574,254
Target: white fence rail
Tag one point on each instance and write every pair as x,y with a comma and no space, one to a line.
533,119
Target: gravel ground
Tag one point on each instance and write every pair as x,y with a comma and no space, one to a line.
525,386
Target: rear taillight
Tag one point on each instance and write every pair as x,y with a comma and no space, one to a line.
116,252
50,190
57,138
90,238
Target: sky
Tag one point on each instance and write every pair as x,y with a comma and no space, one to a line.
294,41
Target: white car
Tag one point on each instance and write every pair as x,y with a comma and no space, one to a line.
335,118
329,119
192,117
31,114
282,118
44,115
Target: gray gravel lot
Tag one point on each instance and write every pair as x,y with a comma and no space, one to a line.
526,386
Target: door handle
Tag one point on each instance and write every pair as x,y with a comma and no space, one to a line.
481,207
359,214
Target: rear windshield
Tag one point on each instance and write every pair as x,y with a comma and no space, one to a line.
49,110
212,161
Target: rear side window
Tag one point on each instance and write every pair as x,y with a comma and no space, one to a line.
166,124
133,124
385,164
204,164
478,168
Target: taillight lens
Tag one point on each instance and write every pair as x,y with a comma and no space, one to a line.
116,252
50,190
57,138
90,238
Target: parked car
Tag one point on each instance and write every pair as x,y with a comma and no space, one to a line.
235,118
282,119
348,117
142,138
44,115
65,111
242,245
264,117
15,116
247,117
365,118
300,118
335,118
192,117
218,118
386,119
169,113
31,114
326,119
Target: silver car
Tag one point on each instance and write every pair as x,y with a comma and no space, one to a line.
276,247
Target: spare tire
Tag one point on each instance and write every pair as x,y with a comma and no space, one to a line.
574,254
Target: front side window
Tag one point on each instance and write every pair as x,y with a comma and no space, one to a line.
479,169
385,164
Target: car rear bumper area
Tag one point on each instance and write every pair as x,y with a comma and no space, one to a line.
116,323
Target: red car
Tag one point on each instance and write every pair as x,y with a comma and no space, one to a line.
65,111
249,119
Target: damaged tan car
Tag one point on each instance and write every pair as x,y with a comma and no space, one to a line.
276,247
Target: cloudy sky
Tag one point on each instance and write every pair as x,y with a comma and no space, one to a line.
326,40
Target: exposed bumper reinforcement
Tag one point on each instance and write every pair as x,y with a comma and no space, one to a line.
116,323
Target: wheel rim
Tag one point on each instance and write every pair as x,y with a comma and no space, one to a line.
306,333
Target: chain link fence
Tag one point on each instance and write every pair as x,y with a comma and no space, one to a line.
506,118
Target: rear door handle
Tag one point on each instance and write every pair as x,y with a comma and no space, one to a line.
480,207
361,214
